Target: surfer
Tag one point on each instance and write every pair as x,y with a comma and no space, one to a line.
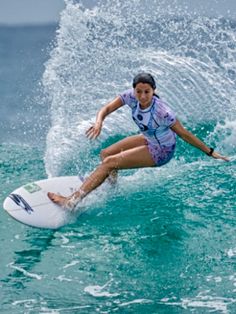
153,147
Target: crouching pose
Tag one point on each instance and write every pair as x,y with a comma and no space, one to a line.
153,147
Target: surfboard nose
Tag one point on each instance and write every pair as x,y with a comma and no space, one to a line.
20,201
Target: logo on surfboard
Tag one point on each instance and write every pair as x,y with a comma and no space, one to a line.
32,187
21,202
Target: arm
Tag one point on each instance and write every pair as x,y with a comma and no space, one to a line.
94,131
194,141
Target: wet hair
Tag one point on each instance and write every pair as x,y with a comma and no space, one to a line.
145,78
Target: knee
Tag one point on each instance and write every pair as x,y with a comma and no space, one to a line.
103,154
110,163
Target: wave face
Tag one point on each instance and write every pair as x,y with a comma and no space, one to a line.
99,50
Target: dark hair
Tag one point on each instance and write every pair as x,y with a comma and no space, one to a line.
144,78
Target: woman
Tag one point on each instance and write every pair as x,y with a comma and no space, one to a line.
155,145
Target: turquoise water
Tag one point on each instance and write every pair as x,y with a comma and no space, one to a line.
161,241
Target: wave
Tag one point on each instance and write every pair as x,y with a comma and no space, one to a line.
99,50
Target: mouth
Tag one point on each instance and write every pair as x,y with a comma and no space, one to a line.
144,102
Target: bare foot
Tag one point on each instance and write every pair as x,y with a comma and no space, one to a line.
69,203
58,199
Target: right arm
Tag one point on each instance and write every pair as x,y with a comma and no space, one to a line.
94,131
195,141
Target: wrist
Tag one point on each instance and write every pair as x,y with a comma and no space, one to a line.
98,123
211,151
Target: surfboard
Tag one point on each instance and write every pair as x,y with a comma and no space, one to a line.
30,205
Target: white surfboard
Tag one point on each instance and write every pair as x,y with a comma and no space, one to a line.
30,205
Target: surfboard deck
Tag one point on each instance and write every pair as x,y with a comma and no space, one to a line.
30,205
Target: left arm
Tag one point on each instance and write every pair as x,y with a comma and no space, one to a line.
195,141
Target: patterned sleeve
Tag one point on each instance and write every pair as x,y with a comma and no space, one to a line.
127,97
168,116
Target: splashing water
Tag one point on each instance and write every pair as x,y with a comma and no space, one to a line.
98,52
162,241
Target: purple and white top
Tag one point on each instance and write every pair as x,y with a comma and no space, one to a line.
154,122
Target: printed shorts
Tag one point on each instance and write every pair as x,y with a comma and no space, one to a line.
161,155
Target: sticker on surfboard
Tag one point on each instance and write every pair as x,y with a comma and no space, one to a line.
32,187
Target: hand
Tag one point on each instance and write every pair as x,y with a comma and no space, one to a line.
219,156
94,131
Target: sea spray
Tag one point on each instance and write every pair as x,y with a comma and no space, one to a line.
99,50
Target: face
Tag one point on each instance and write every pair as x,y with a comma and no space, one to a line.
143,93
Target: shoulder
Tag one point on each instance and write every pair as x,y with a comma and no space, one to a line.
162,107
164,112
128,98
127,94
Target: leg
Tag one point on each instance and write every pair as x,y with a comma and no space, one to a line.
137,157
122,145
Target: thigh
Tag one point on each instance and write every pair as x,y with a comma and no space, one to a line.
138,157
126,143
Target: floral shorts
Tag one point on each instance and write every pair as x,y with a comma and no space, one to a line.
161,155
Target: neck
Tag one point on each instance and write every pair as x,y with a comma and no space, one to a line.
145,106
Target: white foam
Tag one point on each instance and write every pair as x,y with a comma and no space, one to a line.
65,240
26,301
63,278
136,301
25,272
70,309
98,291
226,131
203,301
231,252
73,263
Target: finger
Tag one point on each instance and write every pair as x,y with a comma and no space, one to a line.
218,156
90,136
93,132
225,158
95,135
89,130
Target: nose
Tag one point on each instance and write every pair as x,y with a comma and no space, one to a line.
142,96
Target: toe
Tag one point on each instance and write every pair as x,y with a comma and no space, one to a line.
50,195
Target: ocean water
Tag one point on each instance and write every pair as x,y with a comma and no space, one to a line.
163,240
